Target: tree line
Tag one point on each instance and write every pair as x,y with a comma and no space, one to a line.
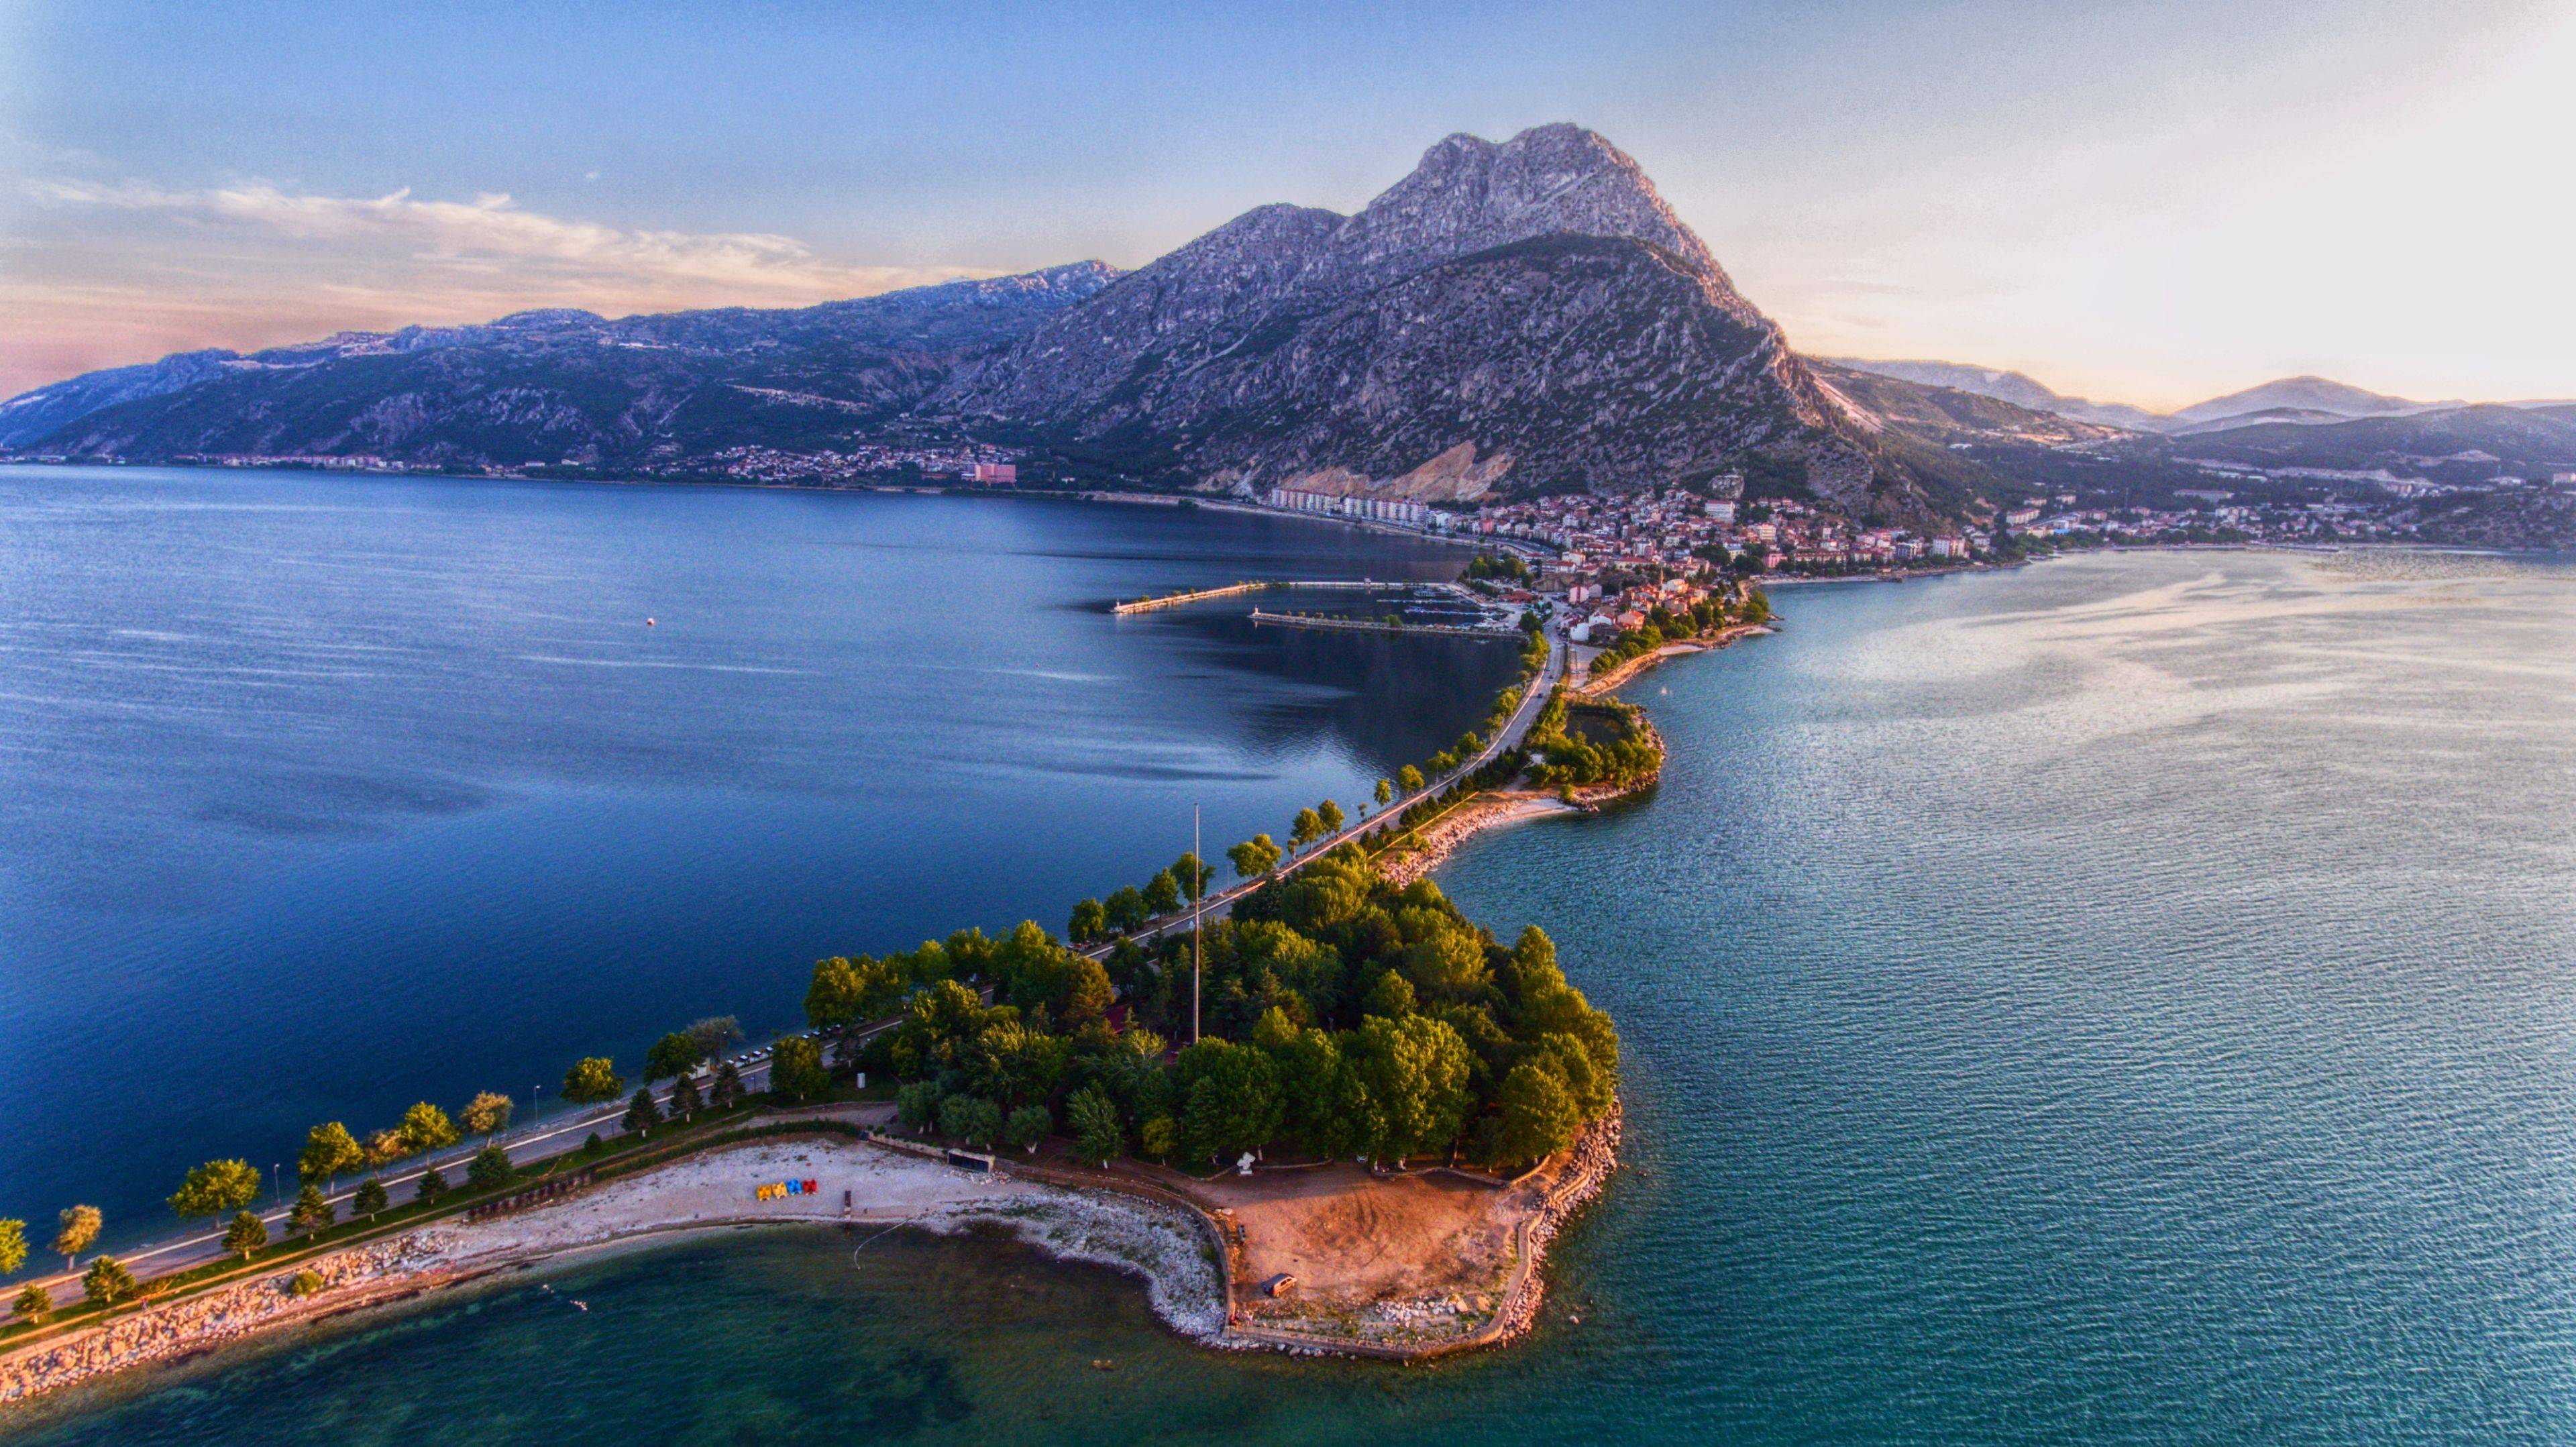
1345,1018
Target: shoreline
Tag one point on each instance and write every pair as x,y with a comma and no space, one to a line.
694,1195
1172,1243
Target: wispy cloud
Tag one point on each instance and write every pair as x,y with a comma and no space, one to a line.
494,227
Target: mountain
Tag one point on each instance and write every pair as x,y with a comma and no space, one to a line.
550,386
1511,317
2461,444
2018,388
32,415
1949,415
2295,399
1518,316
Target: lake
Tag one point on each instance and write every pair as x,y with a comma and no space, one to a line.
2130,999
326,794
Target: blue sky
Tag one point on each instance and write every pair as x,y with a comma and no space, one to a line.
2149,202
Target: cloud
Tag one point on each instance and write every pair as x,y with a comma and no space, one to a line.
100,274
493,228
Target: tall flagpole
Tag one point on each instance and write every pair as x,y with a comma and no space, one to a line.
1198,891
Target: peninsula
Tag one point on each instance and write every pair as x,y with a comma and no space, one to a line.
1319,1110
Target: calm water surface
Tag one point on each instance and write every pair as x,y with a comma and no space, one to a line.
324,794
2128,1000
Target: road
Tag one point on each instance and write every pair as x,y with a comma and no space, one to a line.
1514,729
546,1138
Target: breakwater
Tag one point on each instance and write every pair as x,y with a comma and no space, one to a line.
1234,590
1380,625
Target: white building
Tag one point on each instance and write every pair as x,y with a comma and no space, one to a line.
1363,509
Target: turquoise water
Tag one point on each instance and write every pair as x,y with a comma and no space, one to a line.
2126,1000
323,795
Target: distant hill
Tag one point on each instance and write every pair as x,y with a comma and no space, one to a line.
2015,387
555,386
2463,443
2291,401
2294,399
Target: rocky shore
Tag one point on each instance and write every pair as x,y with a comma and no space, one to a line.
200,1323
1595,1156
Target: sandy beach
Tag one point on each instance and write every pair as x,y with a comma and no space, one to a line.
1160,1244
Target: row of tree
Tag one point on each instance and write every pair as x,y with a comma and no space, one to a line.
1129,907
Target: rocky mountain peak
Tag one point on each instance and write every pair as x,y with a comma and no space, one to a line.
1469,194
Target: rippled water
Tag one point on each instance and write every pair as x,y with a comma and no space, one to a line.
326,794
2126,1000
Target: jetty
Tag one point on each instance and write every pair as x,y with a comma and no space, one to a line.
1201,595
1380,625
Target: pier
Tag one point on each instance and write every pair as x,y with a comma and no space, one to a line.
1175,600
1380,625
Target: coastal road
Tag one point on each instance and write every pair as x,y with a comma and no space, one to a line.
536,1141
1514,729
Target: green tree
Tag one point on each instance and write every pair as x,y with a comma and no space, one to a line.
487,1114
1162,894
386,1146
1385,793
1310,1067
1253,857
1331,814
490,1169
1305,829
1088,993
1539,1116
685,1100
328,1150
1409,779
1126,909
677,1054
1412,1075
1194,874
216,1187
433,1185
715,1035
1160,1138
1093,1117
80,1227
591,1080
311,1211
641,1113
727,1091
970,1118
245,1235
1391,996
796,1068
849,992
917,1105
1027,1126
305,1283
107,1282
426,1128
13,1245
34,1303
370,1198
1089,922
1232,1100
